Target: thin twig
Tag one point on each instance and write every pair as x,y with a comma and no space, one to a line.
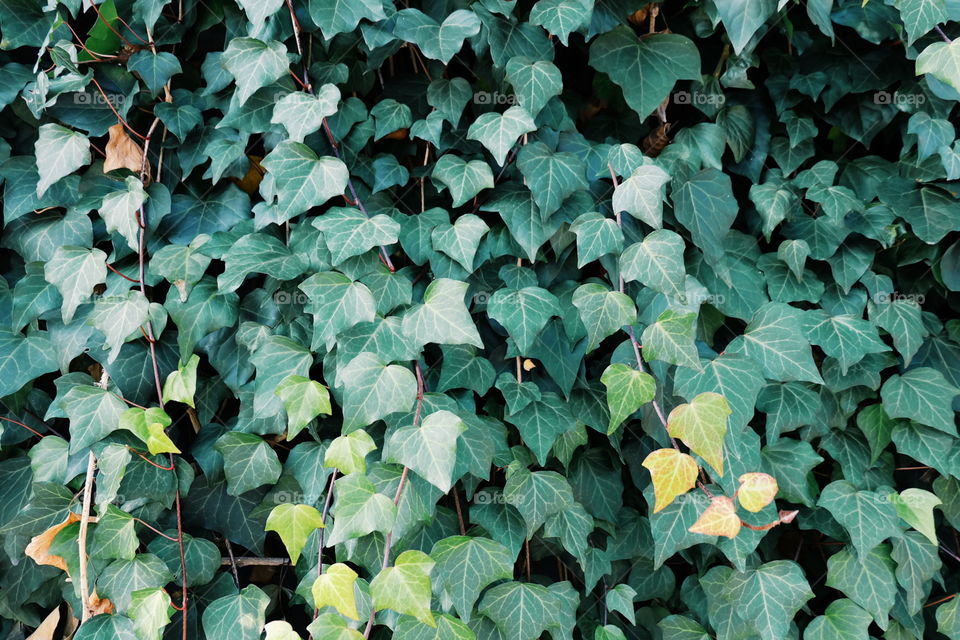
388,543
30,429
82,538
233,562
942,34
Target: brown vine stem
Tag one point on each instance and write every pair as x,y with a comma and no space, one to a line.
308,87
82,538
399,494
632,334
152,342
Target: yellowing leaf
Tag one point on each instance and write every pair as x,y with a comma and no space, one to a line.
294,523
756,491
334,588
39,547
673,473
719,519
702,425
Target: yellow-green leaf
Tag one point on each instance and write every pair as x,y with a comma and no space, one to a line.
673,473
756,491
334,588
702,425
719,519
294,523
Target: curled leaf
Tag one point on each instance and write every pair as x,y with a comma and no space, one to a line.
756,491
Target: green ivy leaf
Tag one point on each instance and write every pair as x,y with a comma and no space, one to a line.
405,587
627,391
294,523
248,461
238,617
429,449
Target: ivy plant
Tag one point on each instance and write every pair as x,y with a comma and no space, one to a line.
479,319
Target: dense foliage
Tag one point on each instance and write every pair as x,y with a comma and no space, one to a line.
479,319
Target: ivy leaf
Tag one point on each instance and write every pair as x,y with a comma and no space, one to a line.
448,628
770,596
673,474
330,626
718,519
337,303
254,64
335,588
843,337
74,271
641,195
93,414
915,507
534,82
59,152
348,452
646,70
294,523
743,18
348,232
204,311
117,317
248,461
921,394
359,509
236,617
303,400
107,625
597,236
602,311
437,41
657,262
561,17
537,495
521,610
443,317
23,359
155,68
499,132
303,113
869,517
627,391
181,385
550,176
705,205
303,180
948,618
119,210
868,580
756,491
461,239
466,566
342,16
150,426
405,587
541,422
920,16
670,339
373,389
150,610
429,449
676,627
523,312
842,620
702,425
463,179
774,340
942,61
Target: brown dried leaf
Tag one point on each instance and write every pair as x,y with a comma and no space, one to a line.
47,628
122,152
99,605
39,547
